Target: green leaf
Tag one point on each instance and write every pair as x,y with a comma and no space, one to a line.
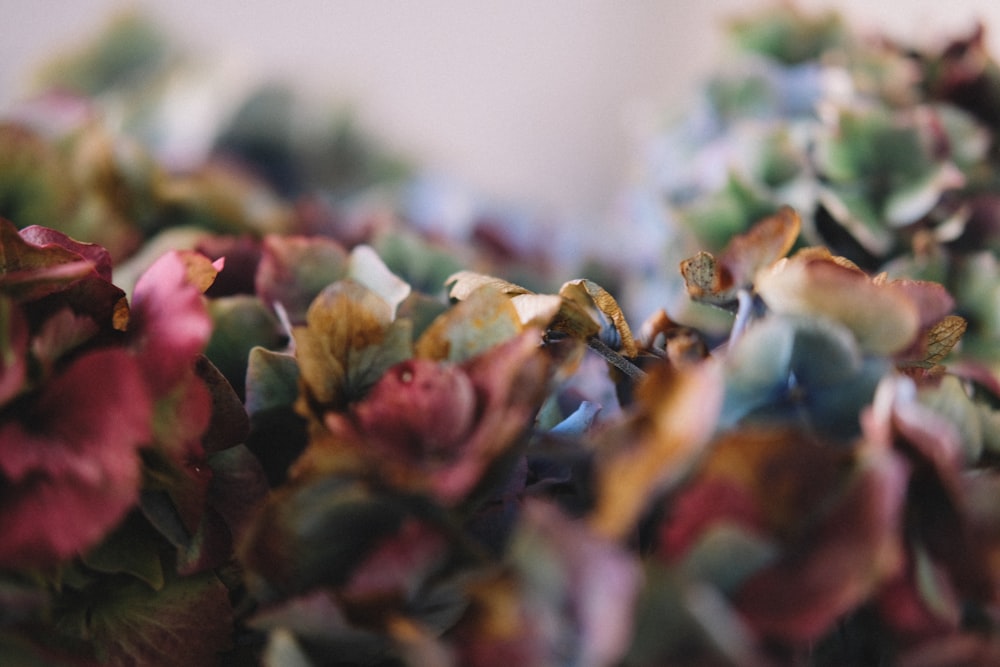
316,534
240,323
187,622
133,548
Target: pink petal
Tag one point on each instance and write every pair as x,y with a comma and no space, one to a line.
170,322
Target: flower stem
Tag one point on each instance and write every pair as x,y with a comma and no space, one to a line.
615,359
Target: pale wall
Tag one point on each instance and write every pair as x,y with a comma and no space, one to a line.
529,100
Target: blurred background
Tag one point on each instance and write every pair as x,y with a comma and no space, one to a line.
542,103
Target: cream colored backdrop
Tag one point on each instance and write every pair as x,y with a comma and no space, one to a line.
535,101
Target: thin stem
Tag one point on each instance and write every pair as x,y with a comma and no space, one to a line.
615,359
743,313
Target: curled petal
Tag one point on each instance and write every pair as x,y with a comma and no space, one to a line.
170,322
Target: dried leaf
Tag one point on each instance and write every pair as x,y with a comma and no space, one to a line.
717,281
464,283
680,344
589,295
940,340
708,281
537,310
763,244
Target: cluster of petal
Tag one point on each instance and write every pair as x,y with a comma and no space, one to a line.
439,426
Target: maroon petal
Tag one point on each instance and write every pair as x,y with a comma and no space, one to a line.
98,256
13,347
420,410
855,549
71,465
699,507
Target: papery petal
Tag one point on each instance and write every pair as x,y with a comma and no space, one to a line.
178,465
96,409
464,283
484,319
170,322
592,298
920,601
883,318
242,255
706,503
29,272
716,280
398,565
365,266
510,381
349,341
315,532
229,423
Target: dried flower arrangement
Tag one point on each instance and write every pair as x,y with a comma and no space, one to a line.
252,414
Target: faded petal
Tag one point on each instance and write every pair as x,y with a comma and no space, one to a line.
882,317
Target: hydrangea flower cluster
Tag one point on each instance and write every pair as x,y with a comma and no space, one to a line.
272,425
887,151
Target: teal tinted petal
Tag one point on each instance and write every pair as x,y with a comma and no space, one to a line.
578,422
272,380
757,368
800,369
